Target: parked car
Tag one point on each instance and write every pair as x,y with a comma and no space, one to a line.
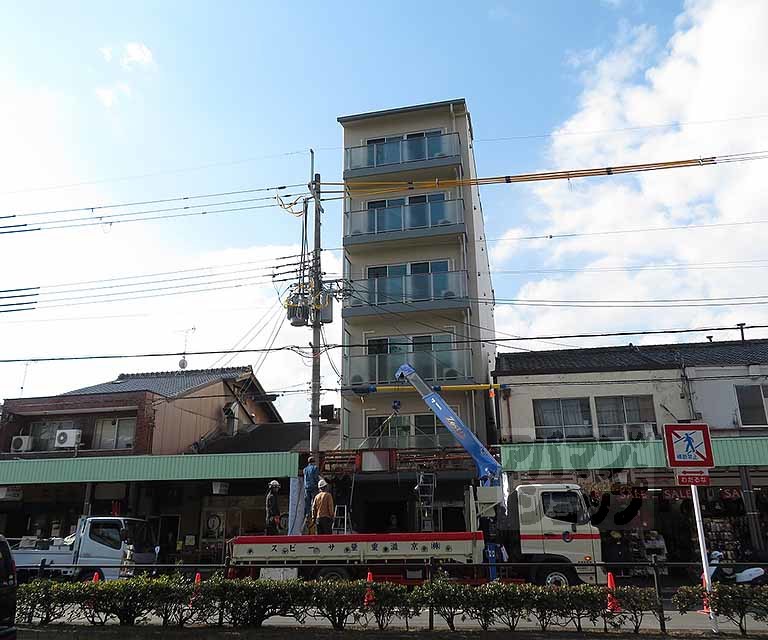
7,592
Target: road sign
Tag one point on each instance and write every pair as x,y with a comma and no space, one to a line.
688,446
692,477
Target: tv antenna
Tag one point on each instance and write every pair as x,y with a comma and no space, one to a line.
183,361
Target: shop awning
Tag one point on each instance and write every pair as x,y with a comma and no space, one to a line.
231,466
571,456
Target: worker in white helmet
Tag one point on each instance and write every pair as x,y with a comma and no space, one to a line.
322,509
272,509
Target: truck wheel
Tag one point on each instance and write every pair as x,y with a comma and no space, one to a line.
333,573
557,577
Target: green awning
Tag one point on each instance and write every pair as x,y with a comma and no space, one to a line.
569,456
225,466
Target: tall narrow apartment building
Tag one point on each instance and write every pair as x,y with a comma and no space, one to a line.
417,281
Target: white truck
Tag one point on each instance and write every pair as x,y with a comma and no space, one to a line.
543,531
546,534
109,546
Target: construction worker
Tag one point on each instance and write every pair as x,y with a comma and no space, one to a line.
272,509
311,478
322,509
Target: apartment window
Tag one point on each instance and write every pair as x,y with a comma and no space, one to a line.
404,148
562,419
408,282
626,418
414,212
114,433
433,356
751,399
422,430
44,433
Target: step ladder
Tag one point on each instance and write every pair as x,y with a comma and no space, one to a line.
425,490
340,519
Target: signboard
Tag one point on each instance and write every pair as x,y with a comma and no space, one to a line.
11,494
688,446
692,477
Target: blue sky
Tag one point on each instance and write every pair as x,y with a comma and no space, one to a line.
98,93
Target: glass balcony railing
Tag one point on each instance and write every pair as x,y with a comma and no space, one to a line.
430,365
400,151
424,215
403,441
418,287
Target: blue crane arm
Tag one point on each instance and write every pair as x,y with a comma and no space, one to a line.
488,469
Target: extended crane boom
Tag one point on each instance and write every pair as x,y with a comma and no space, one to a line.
488,468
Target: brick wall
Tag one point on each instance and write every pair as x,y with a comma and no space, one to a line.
65,408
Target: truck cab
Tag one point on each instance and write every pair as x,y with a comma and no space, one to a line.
555,526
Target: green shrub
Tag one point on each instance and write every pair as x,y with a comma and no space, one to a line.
129,601
389,600
511,602
446,597
338,600
481,606
172,601
733,601
548,604
584,602
635,602
46,601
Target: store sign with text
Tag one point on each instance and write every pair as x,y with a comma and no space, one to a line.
692,477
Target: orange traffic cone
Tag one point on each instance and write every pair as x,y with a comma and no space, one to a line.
198,578
96,576
705,609
369,598
613,603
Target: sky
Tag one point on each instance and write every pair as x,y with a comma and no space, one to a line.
103,103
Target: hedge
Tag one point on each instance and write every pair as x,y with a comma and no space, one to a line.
240,603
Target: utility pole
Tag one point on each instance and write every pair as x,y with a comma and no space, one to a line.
316,300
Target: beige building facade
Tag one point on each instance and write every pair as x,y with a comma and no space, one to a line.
417,281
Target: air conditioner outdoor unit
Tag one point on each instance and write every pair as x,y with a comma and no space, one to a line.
20,444
451,373
68,438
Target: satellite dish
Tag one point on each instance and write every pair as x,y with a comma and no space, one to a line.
183,363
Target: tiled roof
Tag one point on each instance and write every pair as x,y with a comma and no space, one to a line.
634,358
164,383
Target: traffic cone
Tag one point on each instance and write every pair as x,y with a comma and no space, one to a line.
613,603
369,598
705,609
96,576
198,579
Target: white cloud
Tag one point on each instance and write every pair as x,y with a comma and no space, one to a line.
705,71
106,53
109,96
136,54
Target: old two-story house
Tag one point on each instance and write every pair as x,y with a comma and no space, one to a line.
135,445
595,415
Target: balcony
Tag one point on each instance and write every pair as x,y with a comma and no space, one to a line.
411,221
412,154
403,441
436,366
399,294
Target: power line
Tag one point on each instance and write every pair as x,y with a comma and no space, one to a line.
141,203
304,350
24,228
729,264
667,125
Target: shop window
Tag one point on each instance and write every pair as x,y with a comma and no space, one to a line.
565,506
114,433
751,399
106,533
626,418
562,419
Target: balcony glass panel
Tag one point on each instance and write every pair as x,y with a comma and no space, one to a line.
448,364
406,289
399,151
405,217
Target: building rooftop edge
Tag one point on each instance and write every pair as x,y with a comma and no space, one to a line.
399,110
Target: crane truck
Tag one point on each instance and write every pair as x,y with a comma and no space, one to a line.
543,531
